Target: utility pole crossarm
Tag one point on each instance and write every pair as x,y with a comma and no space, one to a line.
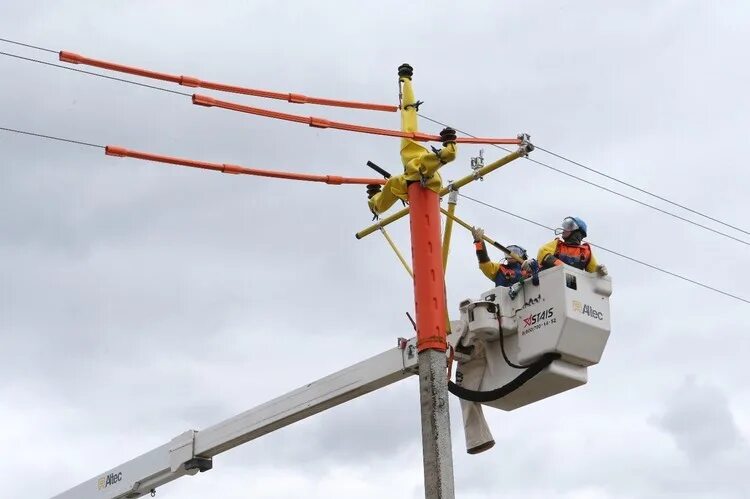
192,451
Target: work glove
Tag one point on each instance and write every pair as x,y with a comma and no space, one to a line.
601,270
478,233
447,136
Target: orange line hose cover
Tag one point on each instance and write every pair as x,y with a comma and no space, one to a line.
236,169
189,81
204,100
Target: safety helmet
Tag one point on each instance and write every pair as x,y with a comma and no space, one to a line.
574,223
518,250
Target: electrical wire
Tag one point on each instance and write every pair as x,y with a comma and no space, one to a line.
189,81
310,120
51,137
593,170
635,260
562,172
27,45
91,73
686,208
123,80
122,152
98,146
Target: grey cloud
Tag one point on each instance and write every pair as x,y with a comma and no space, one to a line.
700,421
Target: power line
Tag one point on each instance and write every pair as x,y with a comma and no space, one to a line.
52,137
91,73
641,262
98,146
593,170
562,172
27,45
656,208
641,189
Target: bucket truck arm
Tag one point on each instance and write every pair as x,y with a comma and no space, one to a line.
192,451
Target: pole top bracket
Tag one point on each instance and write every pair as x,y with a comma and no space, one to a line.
526,146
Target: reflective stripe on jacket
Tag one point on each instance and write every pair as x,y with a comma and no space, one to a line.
504,275
579,256
575,255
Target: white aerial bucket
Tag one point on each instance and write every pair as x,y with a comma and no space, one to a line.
566,315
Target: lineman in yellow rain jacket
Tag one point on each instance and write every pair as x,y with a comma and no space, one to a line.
419,163
502,274
570,248
471,371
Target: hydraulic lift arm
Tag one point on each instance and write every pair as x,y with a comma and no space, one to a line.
192,451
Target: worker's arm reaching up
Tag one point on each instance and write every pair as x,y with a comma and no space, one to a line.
488,267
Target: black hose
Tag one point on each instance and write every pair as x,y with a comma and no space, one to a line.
502,347
488,396
531,370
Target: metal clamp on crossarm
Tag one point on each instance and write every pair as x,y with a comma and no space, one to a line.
526,146
452,193
415,105
477,164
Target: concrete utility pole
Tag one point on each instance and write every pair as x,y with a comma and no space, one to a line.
430,308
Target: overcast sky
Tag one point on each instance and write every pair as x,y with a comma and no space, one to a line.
139,300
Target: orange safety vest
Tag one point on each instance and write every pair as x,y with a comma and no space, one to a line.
575,255
507,276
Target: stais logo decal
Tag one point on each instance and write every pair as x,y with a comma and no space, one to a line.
535,322
538,317
584,309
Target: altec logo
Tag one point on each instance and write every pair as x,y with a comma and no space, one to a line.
108,480
587,310
538,317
